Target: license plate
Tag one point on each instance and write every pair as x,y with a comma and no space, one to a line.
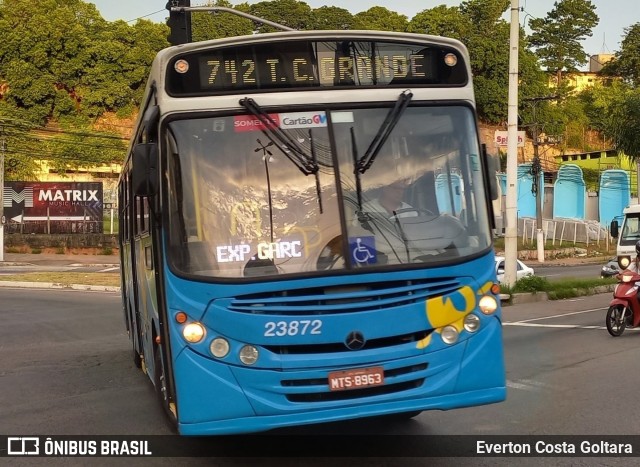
356,379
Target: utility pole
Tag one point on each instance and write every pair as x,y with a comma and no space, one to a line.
538,175
511,221
3,148
536,170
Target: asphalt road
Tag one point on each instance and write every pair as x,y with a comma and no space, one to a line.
65,369
576,271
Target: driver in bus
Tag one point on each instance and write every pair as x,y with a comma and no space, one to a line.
390,201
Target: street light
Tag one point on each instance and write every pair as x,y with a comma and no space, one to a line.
267,156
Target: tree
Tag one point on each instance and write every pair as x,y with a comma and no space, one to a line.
556,38
217,25
440,21
331,17
627,138
291,13
379,18
61,68
627,60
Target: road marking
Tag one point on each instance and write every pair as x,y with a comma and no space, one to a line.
564,326
556,316
109,269
527,385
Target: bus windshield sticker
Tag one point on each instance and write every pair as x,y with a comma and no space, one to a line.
243,123
219,124
363,249
303,120
342,117
265,250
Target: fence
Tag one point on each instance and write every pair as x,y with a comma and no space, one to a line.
567,231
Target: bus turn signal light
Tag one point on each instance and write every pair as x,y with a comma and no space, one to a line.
181,317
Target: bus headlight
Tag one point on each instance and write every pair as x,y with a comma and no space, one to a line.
471,322
624,261
449,335
219,347
488,304
193,332
248,355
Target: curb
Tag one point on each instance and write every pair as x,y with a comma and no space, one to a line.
533,297
59,286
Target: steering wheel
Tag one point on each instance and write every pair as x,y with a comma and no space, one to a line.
418,211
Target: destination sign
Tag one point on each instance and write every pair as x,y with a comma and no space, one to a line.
315,64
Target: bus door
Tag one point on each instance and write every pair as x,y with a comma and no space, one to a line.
147,306
127,258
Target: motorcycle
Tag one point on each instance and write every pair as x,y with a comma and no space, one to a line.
624,309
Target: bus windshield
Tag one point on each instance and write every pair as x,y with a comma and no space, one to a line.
240,205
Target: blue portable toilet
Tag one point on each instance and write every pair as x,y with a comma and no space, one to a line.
615,195
526,200
449,193
569,193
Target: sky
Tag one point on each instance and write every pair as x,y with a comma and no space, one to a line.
615,15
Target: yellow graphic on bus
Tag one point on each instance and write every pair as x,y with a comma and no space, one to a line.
441,311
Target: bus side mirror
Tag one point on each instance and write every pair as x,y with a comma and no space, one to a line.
614,229
144,173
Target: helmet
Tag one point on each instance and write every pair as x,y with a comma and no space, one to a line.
638,248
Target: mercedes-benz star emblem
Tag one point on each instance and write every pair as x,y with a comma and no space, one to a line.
355,340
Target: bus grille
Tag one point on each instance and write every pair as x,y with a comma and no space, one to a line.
340,346
325,396
343,299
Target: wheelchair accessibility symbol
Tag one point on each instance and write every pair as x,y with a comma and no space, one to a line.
363,249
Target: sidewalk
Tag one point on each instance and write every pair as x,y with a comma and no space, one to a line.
54,260
23,259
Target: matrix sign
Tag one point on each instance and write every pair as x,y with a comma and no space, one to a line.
53,207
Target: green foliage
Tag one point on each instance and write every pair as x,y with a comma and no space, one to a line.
291,13
557,36
62,67
531,284
627,138
615,111
557,289
332,17
440,21
627,60
379,18
219,25
106,251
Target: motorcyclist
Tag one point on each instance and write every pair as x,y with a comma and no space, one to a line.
634,265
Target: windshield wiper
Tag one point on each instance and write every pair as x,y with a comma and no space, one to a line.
289,146
280,138
364,163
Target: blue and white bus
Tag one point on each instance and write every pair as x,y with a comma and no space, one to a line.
287,255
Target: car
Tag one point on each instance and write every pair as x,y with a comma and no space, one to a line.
611,268
522,270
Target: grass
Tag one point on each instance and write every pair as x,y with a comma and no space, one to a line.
557,289
111,279
593,249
